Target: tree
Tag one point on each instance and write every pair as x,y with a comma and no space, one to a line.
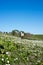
15,32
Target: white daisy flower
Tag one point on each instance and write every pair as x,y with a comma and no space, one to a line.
7,64
7,53
8,61
2,59
15,59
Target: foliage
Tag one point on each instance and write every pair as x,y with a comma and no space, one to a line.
20,54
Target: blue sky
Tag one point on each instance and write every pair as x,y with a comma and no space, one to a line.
26,15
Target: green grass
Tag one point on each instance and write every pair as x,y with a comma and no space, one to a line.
36,37
24,52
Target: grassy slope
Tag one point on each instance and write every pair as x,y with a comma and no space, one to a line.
25,53
33,37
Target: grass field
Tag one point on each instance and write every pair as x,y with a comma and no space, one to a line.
17,51
37,37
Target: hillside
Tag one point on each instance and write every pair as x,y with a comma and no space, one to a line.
17,51
29,36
